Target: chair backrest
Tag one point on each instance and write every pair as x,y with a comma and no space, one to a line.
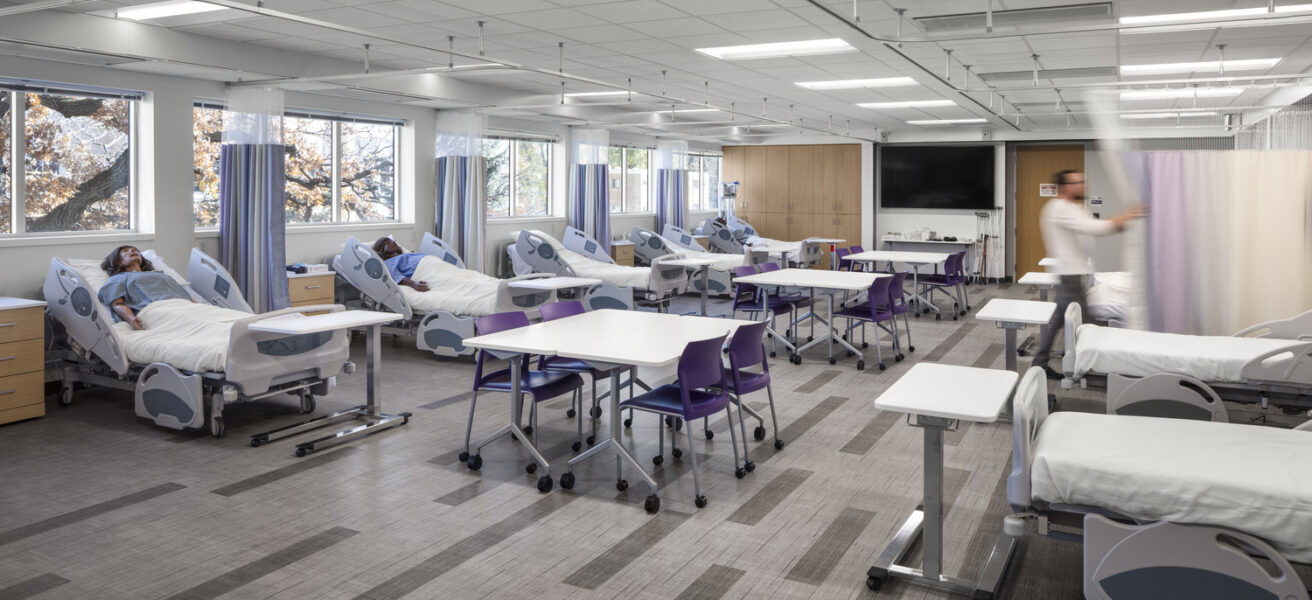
700,365
857,249
960,270
744,294
770,266
897,292
562,309
879,289
838,258
950,265
747,348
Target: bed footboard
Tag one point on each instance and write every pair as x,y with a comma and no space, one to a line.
1029,410
719,282
608,295
258,360
1291,367
513,298
812,253
444,333
1298,327
75,305
1070,335
665,279
169,397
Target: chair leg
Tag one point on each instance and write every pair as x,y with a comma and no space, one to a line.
578,394
469,426
738,472
674,437
742,428
699,499
774,418
879,354
911,346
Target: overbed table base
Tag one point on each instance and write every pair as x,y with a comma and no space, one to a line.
622,454
1029,341
374,419
926,522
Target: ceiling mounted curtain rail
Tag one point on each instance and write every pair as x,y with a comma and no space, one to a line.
64,89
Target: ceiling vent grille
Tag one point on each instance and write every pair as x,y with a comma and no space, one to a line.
1099,12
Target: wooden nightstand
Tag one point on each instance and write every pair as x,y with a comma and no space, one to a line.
622,253
308,289
704,240
22,359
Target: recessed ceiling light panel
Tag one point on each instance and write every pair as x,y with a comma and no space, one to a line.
1170,115
778,49
946,121
159,10
1185,93
907,104
852,84
1253,64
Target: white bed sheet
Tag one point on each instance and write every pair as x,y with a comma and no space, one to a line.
1218,359
774,247
1244,477
723,262
182,333
459,291
1109,296
619,275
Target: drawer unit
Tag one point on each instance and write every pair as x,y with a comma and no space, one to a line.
22,359
622,253
705,241
311,288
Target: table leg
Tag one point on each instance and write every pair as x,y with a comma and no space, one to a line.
621,453
1029,341
706,286
831,335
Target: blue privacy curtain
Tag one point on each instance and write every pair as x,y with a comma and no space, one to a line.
252,207
461,185
671,183
589,190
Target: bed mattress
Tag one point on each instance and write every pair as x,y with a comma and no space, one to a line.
182,333
453,289
723,262
1215,359
774,247
1243,477
1109,296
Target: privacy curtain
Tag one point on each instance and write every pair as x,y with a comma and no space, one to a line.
252,206
671,183
1229,237
589,195
461,184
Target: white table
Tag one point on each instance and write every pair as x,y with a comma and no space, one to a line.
827,282
892,243
642,339
1045,282
1047,262
939,396
916,260
375,420
703,266
553,283
1013,315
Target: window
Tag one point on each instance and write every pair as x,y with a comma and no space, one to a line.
518,177
630,180
336,170
75,172
703,182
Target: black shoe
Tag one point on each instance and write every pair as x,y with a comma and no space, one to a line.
1051,373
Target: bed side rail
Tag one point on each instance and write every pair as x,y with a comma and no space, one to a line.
681,237
1164,395
1289,366
361,267
585,244
75,305
256,359
1070,334
434,246
215,283
647,245
667,279
812,253
1298,327
160,265
1029,410
535,249
608,295
722,239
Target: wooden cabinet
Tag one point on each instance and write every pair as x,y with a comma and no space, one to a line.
22,359
705,241
622,253
307,289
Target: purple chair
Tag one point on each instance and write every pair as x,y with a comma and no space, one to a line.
747,350
898,305
870,312
838,258
557,364
540,385
797,300
698,394
751,299
953,278
850,266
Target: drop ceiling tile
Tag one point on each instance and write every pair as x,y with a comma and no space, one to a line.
547,20
596,35
298,44
632,11
229,32
759,19
716,7
501,7
640,46
422,10
674,27
355,17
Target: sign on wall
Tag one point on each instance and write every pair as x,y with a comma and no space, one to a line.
1048,190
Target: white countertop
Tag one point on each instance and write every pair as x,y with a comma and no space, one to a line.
298,323
1005,310
826,240
553,283
291,275
910,241
7,303
950,392
1047,262
1039,278
922,258
814,278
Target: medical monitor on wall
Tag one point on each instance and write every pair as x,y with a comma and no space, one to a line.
936,177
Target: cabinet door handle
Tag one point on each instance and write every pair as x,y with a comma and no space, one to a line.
7,392
10,324
7,358
313,287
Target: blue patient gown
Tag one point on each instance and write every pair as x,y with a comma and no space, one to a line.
402,266
138,289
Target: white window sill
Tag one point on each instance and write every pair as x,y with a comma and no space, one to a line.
304,228
532,219
633,214
57,239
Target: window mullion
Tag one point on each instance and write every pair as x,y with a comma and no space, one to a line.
18,163
337,172
511,151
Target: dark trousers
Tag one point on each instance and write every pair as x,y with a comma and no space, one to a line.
1070,290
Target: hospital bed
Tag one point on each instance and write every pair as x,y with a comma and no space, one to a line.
579,255
737,236
1267,363
1165,508
649,246
184,386
442,317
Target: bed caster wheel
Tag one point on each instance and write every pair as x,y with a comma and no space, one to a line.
874,584
300,452
844,337
474,463
676,453
657,460
860,365
596,412
710,435
544,484
758,433
865,345
881,366
832,360
567,481
576,446
795,359
749,465
700,501
622,485
307,403
528,430
773,354
592,439
917,315
628,423
778,444
652,504
531,468
954,317
740,472
217,428
569,414
65,395
924,310
788,333
464,456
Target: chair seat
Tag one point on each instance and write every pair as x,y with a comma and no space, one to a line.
798,300
938,280
751,382
862,311
539,384
666,399
570,365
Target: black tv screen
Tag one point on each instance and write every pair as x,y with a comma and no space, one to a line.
936,177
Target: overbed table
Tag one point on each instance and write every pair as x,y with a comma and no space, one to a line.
641,339
375,420
1043,281
916,260
553,284
703,266
1014,315
937,397
827,282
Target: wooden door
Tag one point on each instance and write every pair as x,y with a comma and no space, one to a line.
1036,165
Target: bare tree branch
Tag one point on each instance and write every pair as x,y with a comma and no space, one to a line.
98,188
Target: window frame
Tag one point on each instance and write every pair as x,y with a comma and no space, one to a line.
624,182
512,162
702,192
17,91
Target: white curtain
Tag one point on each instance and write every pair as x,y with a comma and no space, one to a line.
671,183
461,184
589,197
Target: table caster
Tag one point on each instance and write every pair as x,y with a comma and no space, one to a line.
567,481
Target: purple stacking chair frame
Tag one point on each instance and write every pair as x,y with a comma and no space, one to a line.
747,350
953,278
751,300
798,300
872,311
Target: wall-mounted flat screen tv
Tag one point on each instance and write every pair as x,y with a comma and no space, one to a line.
936,177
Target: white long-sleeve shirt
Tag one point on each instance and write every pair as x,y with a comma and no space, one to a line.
1067,229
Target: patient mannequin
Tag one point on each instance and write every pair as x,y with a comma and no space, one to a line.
400,264
134,283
